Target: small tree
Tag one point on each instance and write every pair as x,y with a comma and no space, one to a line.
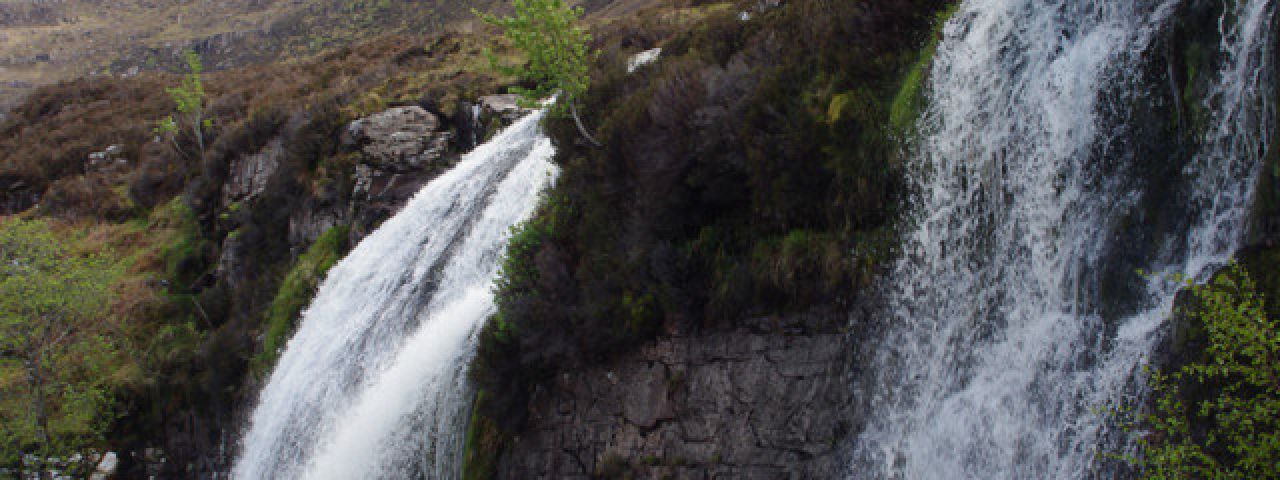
190,102
1219,416
55,354
547,32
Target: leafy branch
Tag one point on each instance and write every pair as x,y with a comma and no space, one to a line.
558,62
190,102
1219,416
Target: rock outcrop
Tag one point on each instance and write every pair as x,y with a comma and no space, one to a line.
250,173
771,399
397,151
400,139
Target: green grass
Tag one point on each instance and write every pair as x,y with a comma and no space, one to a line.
296,291
184,245
910,101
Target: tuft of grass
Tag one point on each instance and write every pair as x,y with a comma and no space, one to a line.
183,251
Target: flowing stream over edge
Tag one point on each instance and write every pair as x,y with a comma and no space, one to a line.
373,384
997,361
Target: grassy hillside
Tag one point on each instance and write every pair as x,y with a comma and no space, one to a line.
159,211
44,41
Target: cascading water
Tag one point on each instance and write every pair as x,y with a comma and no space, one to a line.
998,359
373,384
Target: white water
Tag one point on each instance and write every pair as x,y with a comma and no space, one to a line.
996,362
373,384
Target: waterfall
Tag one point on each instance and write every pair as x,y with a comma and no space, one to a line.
373,383
999,356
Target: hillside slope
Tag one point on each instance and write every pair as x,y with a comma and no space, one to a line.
44,41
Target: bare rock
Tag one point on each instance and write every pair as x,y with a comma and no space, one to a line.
507,105
250,173
401,139
650,402
109,159
770,399
106,468
498,111
231,260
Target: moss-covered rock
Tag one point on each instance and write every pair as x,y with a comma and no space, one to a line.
485,443
910,99
295,293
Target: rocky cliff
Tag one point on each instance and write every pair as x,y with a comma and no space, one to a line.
770,398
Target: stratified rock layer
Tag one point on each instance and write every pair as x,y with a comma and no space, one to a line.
771,399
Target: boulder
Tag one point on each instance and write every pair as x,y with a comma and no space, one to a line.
106,468
643,58
505,107
401,139
492,113
501,103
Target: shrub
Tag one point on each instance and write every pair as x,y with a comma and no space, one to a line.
1219,415
57,354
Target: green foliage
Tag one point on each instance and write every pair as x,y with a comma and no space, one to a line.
296,291
185,247
1219,416
517,271
56,351
484,444
190,102
909,100
189,96
558,58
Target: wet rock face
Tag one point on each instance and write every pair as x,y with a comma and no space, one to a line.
398,151
401,149
770,400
